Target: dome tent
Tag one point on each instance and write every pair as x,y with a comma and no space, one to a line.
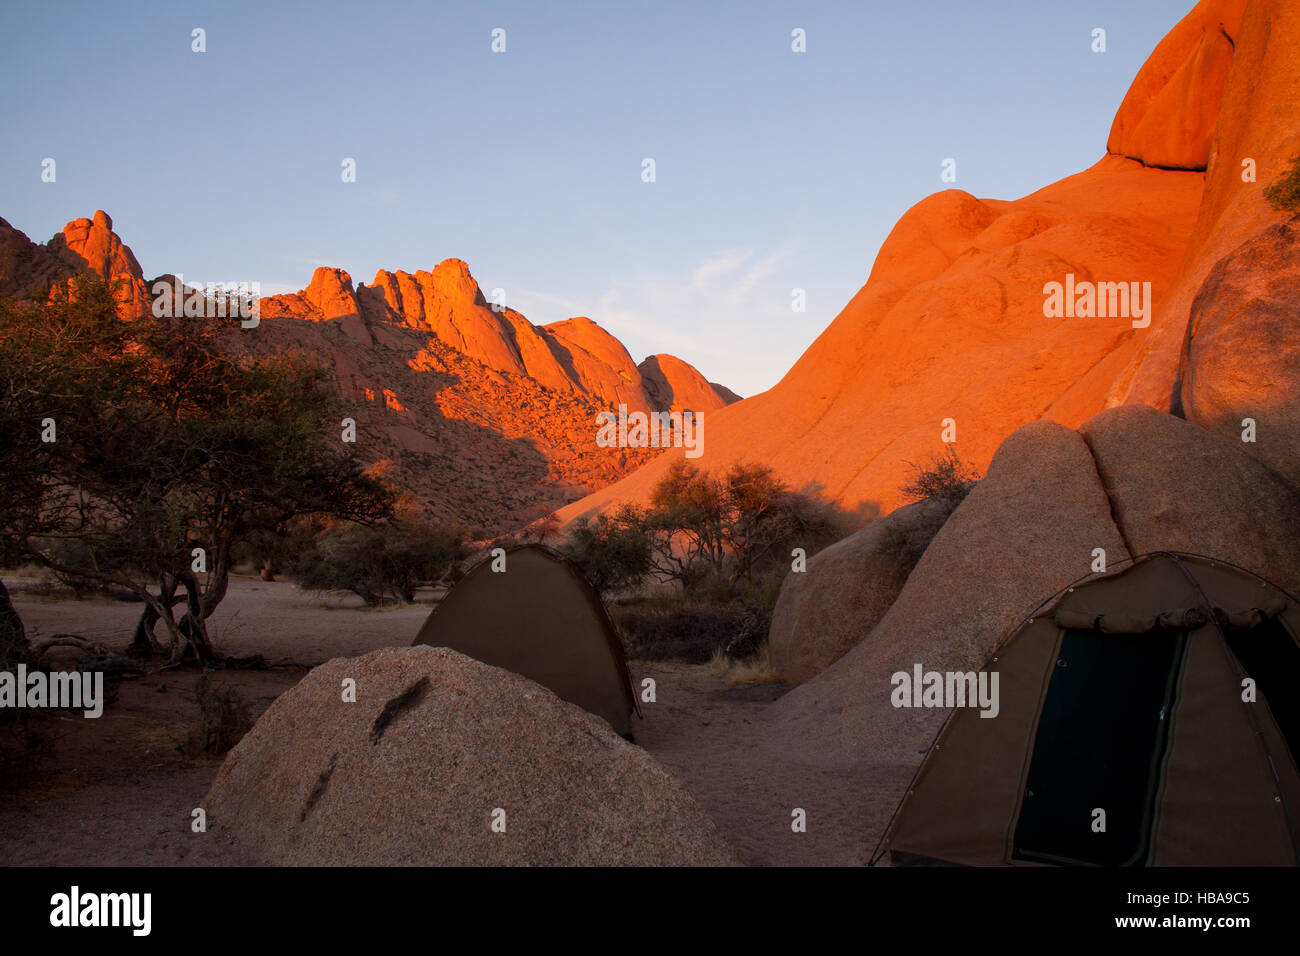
1148,716
540,618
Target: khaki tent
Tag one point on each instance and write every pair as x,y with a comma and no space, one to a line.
1128,695
539,618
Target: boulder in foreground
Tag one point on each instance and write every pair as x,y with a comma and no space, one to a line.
419,767
1241,355
825,611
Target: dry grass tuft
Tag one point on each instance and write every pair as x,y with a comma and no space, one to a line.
751,670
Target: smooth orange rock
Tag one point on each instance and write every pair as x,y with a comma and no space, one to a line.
674,385
1168,117
597,362
950,323
1260,123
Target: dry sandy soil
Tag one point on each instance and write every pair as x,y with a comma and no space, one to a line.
120,789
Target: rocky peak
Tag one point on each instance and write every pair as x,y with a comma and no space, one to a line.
1168,117
330,292
575,355
92,244
84,245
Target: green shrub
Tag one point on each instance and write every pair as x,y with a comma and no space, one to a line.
378,563
763,593
223,717
691,632
944,478
613,551
1285,193
75,570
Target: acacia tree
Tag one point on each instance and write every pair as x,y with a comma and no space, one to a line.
767,517
685,524
58,359
264,450
380,561
728,524
170,450
613,550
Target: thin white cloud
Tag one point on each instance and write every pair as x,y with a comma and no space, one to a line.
760,272
727,314
717,268
548,306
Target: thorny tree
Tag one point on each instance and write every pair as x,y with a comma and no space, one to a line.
728,524
169,449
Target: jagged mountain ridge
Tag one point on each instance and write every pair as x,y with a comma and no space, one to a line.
575,355
484,419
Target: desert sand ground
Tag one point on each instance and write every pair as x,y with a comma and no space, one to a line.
120,789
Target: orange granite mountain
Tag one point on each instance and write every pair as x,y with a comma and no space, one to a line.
955,333
484,419
84,245
575,356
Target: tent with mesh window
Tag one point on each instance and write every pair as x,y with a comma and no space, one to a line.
1165,695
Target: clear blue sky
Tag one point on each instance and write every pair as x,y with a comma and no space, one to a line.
775,170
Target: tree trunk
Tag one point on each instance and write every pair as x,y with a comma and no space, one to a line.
200,603
194,626
164,612
143,642
218,582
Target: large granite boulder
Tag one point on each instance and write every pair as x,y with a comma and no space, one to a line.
436,754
